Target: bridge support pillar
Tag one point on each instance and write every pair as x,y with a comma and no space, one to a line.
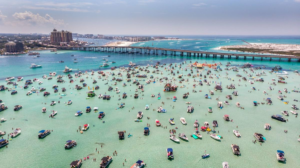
244,57
270,58
290,59
252,58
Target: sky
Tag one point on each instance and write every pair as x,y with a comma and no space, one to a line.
152,17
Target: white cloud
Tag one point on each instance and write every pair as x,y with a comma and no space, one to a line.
51,4
56,9
2,17
31,18
297,0
146,1
199,4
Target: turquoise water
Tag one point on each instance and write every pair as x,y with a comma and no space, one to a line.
28,151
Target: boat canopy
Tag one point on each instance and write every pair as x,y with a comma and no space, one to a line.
210,108
85,125
69,141
74,163
88,107
280,151
42,131
139,162
169,150
226,115
78,111
101,112
254,101
139,112
278,115
146,128
2,140
157,121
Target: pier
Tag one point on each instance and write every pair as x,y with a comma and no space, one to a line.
178,52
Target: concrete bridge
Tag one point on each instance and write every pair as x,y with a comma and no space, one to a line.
178,52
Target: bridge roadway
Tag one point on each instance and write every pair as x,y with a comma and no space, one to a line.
174,52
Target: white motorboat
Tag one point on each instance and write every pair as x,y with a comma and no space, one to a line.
183,136
173,138
44,110
67,69
16,133
198,135
28,93
10,78
33,66
171,121
157,123
286,113
236,133
53,113
182,120
267,126
196,124
215,136
294,112
20,79
225,165
140,115
2,120
206,124
147,107
52,103
131,64
280,156
85,127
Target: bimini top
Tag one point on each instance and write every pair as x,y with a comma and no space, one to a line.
139,112
146,128
254,101
88,107
147,105
170,150
278,115
2,140
69,141
101,112
280,151
85,125
78,111
42,131
139,162
226,115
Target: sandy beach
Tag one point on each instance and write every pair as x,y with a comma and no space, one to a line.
120,43
267,46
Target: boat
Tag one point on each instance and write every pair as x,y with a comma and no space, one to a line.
215,136
33,66
173,138
67,69
170,154
183,136
44,109
171,121
78,113
138,164
20,79
267,126
88,109
259,137
15,133
3,142
197,134
105,64
147,107
226,117
131,64
85,127
121,134
206,124
146,131
76,164
53,114
215,123
294,112
69,102
43,133
52,103
205,156
157,123
182,120
2,133
280,156
235,149
278,117
196,124
70,144
140,115
286,113
101,115
225,165
105,161
236,133
17,107
2,120
2,107
10,78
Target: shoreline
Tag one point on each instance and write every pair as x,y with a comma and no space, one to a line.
120,43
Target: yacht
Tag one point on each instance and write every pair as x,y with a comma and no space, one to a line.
70,144
15,133
215,136
67,69
259,137
105,161
33,66
3,142
43,133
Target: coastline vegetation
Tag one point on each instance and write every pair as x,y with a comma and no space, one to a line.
254,50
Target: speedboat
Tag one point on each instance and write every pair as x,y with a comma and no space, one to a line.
280,156
225,165
171,121
170,153
85,127
105,161
20,79
67,69
44,109
286,113
2,107
70,144
183,136
173,138
294,112
259,137
157,123
105,64
267,126
226,117
205,156
140,115
15,133
182,120
3,142
206,124
10,78
17,107
2,133
146,131
235,149
147,107
131,64
215,136
236,133
197,134
53,114
196,124
43,133
215,123
52,103
69,102
79,113
33,66
2,120
101,115
138,164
